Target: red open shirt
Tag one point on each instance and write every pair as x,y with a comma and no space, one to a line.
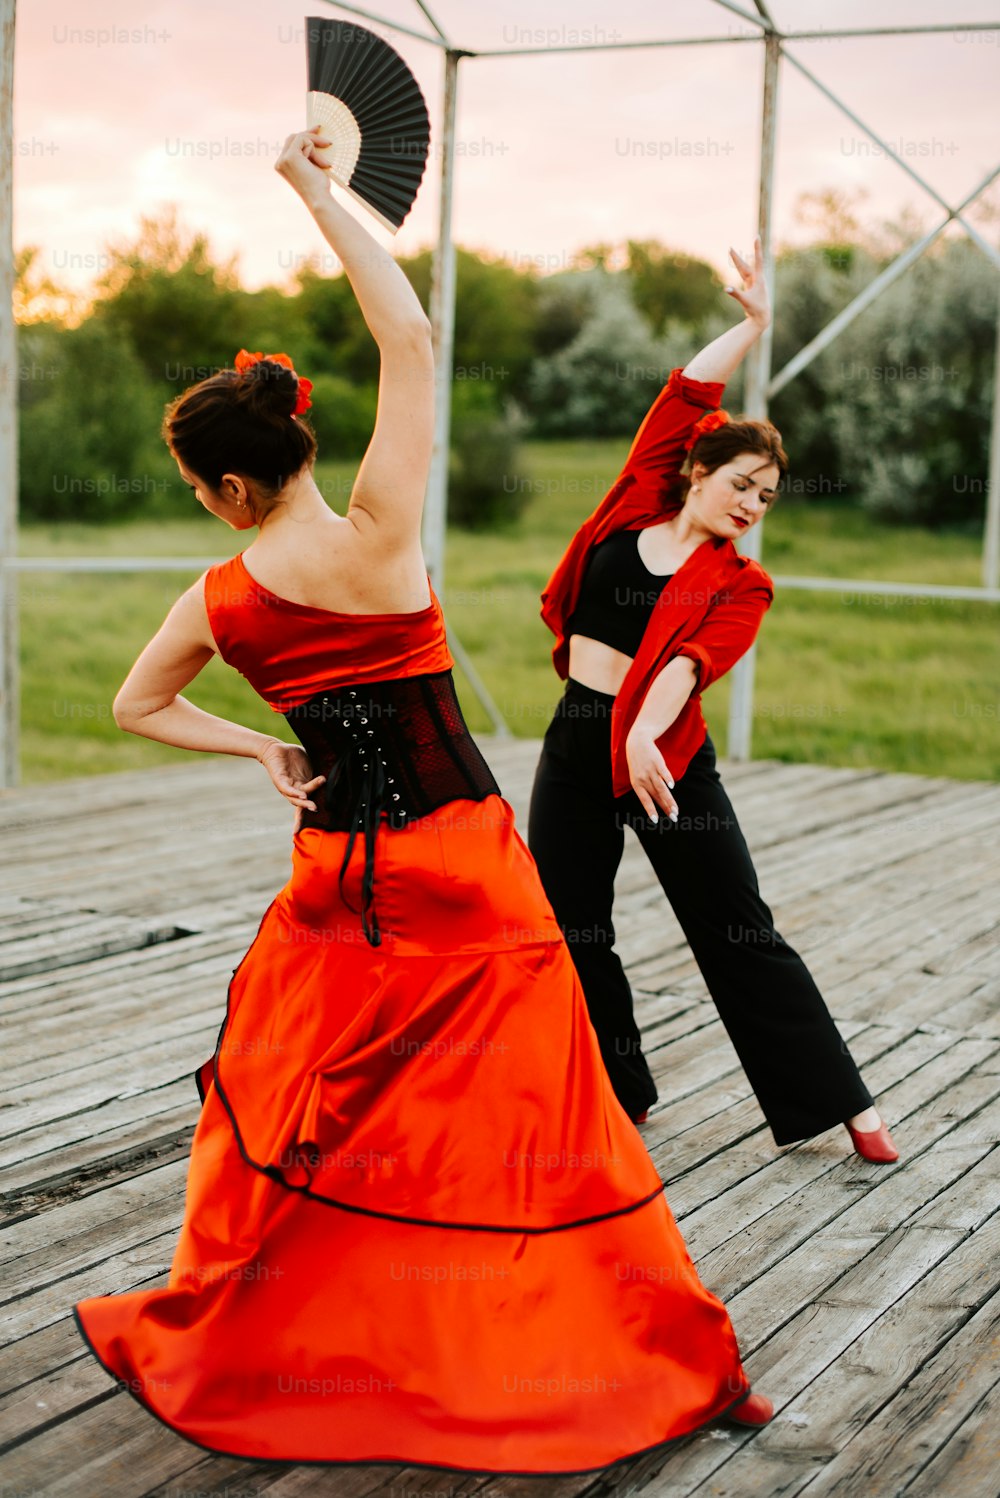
713,605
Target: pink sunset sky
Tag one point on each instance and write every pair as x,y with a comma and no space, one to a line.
124,108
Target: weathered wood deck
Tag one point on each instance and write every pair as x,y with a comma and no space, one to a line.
864,1296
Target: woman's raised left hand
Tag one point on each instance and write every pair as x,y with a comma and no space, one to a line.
752,295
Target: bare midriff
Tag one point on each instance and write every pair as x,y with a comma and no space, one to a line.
596,665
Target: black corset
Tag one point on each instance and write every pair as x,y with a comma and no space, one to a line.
390,751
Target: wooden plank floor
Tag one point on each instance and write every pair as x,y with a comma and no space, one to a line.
864,1297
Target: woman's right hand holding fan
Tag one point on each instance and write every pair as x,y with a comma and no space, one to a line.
297,165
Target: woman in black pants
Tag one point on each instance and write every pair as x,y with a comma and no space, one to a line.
651,603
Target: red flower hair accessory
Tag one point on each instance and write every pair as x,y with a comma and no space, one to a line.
245,361
708,423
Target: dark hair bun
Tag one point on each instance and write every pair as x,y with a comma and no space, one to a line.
241,421
267,390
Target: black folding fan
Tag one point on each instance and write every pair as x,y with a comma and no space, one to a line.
371,107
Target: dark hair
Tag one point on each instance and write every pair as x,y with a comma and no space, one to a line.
241,422
743,434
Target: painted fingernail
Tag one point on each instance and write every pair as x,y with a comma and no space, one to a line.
673,816
653,816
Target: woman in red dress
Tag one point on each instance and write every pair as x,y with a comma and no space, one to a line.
650,604
409,1236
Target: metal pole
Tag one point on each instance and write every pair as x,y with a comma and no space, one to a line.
991,529
10,696
758,373
443,322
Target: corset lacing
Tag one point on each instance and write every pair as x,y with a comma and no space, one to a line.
421,757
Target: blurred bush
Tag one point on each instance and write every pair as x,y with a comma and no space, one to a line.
486,490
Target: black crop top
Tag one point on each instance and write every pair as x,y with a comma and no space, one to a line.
617,595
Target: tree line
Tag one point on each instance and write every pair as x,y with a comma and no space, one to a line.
894,415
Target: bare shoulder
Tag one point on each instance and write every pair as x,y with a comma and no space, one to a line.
353,566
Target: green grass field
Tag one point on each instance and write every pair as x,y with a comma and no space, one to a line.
893,683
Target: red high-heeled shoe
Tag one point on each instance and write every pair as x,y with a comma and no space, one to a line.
756,1409
642,1116
874,1144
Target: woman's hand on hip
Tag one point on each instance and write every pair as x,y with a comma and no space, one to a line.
651,780
291,773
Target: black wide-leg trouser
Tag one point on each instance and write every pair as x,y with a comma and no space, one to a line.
792,1052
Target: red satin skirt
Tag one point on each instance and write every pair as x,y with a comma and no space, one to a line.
419,1227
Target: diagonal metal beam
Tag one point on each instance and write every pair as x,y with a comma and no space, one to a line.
970,229
433,22
864,298
765,15
745,15
369,15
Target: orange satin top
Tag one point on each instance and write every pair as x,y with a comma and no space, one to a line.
290,651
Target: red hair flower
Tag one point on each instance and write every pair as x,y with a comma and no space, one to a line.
303,402
245,361
708,423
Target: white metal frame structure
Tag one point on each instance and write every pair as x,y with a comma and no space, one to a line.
761,382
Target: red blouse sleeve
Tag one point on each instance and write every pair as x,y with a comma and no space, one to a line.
658,450
727,631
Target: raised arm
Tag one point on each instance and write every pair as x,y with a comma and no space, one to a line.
719,359
658,450
388,493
